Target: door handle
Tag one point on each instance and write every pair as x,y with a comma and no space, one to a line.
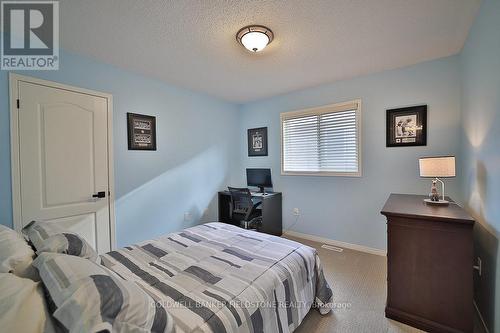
101,194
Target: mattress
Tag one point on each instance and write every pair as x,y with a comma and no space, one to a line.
216,277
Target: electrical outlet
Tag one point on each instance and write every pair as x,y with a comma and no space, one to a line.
479,266
296,212
187,216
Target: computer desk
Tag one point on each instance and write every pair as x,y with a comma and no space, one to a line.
271,211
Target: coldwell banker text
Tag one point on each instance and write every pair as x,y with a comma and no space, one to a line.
30,36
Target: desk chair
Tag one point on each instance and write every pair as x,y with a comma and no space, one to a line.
243,210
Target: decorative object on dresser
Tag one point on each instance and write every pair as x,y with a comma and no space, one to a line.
141,130
407,126
429,264
257,141
437,167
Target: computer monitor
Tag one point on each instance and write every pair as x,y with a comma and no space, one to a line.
260,178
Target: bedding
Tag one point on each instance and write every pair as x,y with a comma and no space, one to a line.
50,237
16,255
86,297
22,306
220,278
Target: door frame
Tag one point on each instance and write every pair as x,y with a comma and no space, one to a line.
14,80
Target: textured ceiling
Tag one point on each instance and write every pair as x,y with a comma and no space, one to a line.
191,43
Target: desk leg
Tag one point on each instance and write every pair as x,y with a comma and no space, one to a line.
272,222
224,202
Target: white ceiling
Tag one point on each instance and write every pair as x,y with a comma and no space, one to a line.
191,43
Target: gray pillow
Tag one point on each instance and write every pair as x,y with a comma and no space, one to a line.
90,298
50,237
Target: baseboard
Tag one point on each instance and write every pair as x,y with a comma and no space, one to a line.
333,242
481,317
419,322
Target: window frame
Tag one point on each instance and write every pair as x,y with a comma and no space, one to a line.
316,111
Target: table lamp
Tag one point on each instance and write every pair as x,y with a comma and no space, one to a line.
437,167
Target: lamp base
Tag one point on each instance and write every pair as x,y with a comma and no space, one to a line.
437,203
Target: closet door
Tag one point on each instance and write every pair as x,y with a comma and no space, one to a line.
63,156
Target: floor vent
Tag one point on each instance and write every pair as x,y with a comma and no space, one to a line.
332,248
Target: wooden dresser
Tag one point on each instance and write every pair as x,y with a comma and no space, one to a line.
429,264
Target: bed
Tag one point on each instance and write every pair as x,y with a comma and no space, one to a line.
213,277
216,277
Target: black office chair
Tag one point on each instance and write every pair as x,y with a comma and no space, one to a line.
243,210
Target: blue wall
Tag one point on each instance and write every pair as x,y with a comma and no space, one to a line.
327,204
196,148
202,148
480,63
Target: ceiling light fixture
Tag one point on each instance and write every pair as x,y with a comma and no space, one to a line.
255,37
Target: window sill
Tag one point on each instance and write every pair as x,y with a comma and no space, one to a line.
322,174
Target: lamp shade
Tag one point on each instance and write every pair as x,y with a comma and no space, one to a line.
255,37
255,41
440,167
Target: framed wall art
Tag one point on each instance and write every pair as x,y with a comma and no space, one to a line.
407,126
257,141
141,130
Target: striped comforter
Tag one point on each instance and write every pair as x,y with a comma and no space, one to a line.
217,277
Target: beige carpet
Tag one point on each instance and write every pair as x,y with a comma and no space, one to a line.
358,281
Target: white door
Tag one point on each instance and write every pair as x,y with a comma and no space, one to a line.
63,160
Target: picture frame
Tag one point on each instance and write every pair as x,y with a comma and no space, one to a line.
257,141
141,132
406,126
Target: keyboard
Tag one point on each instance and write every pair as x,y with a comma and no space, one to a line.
259,194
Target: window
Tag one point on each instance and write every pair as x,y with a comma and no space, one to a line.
323,141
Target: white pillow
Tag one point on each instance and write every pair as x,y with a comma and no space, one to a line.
16,255
22,306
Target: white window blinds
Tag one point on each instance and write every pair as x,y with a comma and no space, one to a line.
322,141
